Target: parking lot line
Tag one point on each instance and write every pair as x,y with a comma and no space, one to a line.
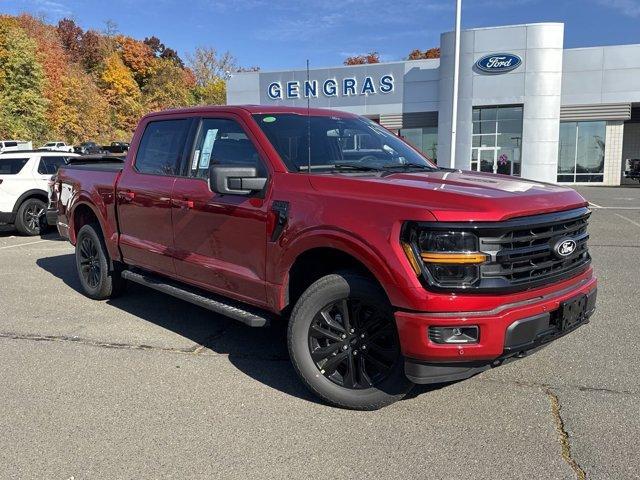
23,244
628,219
594,205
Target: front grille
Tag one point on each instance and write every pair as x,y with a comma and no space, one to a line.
522,250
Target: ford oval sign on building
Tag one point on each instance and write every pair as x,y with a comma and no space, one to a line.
498,63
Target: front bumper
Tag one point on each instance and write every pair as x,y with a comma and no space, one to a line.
7,217
509,332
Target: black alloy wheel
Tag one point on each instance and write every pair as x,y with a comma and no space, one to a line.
89,260
353,344
98,278
344,344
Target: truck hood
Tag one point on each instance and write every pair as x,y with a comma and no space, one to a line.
455,195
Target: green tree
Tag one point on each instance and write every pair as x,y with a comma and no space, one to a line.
22,83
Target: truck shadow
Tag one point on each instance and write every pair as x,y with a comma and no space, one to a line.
260,353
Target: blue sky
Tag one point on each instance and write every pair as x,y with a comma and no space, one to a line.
276,34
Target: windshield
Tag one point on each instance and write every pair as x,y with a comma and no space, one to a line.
337,143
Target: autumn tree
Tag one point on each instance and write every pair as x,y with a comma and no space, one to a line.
210,70
22,82
84,113
137,56
122,92
372,57
168,86
161,51
70,35
418,54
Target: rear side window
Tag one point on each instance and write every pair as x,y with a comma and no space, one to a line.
12,166
10,144
50,165
161,147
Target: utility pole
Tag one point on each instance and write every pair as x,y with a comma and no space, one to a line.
456,76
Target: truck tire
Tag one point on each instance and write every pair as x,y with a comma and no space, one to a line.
92,262
29,215
344,344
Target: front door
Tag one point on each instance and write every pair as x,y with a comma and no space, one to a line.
220,240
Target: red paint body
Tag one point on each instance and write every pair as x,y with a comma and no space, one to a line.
178,227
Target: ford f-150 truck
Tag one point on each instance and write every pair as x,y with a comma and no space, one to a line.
389,270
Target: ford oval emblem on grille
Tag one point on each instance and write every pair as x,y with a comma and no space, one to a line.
564,247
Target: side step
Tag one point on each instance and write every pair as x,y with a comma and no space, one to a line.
237,311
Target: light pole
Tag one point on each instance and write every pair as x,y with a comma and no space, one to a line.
456,75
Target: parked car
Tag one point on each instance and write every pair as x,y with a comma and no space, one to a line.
23,187
633,169
57,147
116,147
14,145
88,148
388,270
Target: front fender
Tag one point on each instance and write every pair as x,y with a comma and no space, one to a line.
382,259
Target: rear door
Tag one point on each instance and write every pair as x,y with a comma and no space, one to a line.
144,195
220,240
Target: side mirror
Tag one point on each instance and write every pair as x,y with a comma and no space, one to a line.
235,180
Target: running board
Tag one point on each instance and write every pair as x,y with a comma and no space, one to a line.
215,303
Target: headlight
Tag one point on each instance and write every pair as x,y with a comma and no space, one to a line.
444,258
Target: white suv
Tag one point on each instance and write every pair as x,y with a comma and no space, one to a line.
24,178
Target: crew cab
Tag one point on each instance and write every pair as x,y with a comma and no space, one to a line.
389,270
24,177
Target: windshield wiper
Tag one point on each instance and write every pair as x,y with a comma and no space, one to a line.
405,166
355,167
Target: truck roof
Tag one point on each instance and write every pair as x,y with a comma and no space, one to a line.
256,109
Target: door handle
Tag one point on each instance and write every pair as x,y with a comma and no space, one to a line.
126,196
184,204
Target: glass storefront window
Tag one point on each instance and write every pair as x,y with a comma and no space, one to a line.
424,139
497,139
581,152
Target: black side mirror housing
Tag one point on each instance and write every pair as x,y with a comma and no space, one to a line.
235,180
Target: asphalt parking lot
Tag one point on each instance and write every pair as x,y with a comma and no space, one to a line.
147,386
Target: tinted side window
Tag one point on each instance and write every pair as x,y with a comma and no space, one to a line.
223,142
161,147
50,165
12,166
10,144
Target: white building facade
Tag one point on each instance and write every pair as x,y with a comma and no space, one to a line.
527,106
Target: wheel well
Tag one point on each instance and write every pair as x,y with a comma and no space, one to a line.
35,194
316,263
82,216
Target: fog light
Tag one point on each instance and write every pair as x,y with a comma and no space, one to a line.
461,334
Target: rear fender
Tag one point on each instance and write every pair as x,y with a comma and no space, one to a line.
101,212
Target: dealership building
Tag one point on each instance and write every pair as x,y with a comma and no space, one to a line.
527,106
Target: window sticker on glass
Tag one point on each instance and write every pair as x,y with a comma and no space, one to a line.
194,162
269,119
207,146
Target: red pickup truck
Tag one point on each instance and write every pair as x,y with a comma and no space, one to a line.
389,270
